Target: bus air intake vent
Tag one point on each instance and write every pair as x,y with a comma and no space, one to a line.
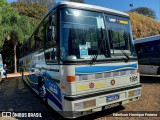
115,73
109,74
123,73
91,76
85,77
98,75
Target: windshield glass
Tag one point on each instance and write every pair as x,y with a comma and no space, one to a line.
81,34
119,35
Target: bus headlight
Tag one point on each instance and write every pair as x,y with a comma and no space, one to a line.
83,105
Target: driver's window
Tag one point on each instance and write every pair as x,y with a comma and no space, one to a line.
50,38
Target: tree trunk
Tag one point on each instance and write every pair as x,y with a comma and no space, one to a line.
15,58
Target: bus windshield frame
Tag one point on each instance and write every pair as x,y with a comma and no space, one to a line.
81,36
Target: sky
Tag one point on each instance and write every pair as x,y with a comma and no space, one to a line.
123,5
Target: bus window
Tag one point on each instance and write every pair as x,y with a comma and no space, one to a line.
119,35
50,37
32,43
147,48
152,45
81,35
158,45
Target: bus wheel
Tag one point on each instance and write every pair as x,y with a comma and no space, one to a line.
158,71
42,89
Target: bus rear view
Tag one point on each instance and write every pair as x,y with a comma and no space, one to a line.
99,62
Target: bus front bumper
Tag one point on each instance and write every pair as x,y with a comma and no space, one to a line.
76,106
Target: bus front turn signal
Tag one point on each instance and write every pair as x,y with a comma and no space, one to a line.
71,78
138,70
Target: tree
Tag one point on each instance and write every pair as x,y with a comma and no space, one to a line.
34,11
145,11
3,3
143,26
80,1
47,3
14,28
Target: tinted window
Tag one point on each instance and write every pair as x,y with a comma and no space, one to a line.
50,38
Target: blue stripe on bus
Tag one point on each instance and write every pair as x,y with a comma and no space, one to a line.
100,69
32,81
54,99
54,93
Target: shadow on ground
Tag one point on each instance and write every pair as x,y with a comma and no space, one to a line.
16,96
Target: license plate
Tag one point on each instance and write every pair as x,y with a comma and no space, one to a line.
112,97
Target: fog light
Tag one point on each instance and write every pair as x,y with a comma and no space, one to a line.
134,93
84,105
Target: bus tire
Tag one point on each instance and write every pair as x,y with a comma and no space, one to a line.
40,90
158,71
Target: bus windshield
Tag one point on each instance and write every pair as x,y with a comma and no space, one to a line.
81,34
82,31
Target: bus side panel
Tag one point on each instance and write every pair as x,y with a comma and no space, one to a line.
32,81
54,94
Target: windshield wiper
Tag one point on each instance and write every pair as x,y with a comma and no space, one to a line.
124,53
113,42
102,45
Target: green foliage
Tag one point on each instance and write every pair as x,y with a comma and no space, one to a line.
34,11
3,3
80,1
145,11
143,26
15,27
46,3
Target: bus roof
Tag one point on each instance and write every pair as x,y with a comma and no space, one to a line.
84,6
147,39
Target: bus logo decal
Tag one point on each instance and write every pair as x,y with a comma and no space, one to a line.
91,85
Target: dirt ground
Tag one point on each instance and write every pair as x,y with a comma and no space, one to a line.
15,95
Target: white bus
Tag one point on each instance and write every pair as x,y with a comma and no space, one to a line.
1,68
148,52
76,62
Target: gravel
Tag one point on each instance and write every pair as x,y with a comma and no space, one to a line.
15,95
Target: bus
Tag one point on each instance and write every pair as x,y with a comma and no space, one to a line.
148,52
81,59
1,68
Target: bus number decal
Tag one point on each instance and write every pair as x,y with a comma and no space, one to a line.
53,88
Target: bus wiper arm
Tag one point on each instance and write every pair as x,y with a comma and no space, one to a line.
102,45
124,53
